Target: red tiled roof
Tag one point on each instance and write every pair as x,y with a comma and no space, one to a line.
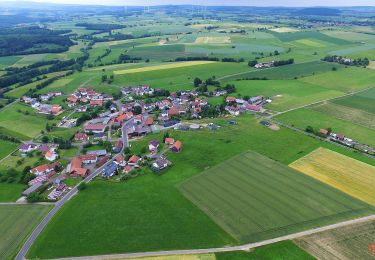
169,141
133,159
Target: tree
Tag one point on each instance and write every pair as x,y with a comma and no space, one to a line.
252,63
34,197
104,78
137,110
309,129
45,139
197,82
82,186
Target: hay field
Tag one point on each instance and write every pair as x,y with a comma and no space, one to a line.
345,243
163,67
341,172
213,40
311,43
253,198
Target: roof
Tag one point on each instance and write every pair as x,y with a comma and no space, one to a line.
177,145
40,168
230,99
95,127
169,140
173,111
79,136
88,157
149,120
323,131
119,158
133,159
75,164
154,143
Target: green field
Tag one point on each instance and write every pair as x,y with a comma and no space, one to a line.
6,148
285,250
255,198
17,221
285,94
10,192
288,37
150,208
304,117
363,101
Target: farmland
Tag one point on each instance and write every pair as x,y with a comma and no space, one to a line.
17,221
363,101
10,192
247,196
343,173
6,148
351,242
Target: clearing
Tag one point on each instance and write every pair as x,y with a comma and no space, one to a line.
341,172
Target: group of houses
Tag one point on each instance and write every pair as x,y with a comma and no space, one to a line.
236,106
87,96
42,108
137,90
264,65
48,151
121,165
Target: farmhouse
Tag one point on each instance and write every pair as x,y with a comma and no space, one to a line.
44,169
230,99
89,158
75,168
26,148
95,128
81,137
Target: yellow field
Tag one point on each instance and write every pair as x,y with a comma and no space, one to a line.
284,30
311,43
163,67
178,257
341,172
372,65
213,40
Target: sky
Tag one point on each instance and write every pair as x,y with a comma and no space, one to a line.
219,2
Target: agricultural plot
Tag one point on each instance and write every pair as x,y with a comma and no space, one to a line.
349,114
213,40
284,30
288,37
363,101
8,61
311,43
285,94
164,67
364,47
301,118
350,242
10,192
341,172
253,198
17,221
6,148
344,79
350,36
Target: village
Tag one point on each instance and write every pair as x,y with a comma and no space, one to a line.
103,138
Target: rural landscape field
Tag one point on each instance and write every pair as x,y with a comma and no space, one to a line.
158,131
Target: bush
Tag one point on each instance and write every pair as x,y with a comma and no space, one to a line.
82,186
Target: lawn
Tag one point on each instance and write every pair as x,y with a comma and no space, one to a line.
254,198
341,172
6,148
285,250
17,221
10,192
163,67
350,242
149,208
301,118
285,94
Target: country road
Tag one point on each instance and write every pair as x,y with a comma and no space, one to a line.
27,245
245,247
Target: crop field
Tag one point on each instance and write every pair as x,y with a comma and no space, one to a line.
284,30
17,221
363,101
253,197
346,79
163,67
353,115
285,94
288,37
350,36
10,192
213,40
311,43
287,72
365,47
341,172
301,118
350,242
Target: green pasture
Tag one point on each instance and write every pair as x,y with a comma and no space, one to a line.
10,192
288,37
6,148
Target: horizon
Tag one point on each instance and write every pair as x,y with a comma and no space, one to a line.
255,3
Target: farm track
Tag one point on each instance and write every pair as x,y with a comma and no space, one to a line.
245,247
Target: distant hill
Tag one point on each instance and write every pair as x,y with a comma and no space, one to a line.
319,11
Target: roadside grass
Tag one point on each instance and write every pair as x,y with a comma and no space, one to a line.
350,242
149,208
10,192
341,172
17,221
285,94
301,118
254,198
163,67
278,251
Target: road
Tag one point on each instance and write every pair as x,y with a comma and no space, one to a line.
27,245
245,247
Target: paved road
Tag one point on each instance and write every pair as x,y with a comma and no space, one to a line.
245,247
25,248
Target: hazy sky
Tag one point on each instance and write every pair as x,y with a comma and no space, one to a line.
220,2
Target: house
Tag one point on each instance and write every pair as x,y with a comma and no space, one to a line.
43,148
159,164
44,169
138,119
75,168
118,146
96,103
102,160
26,148
173,112
88,158
51,155
128,169
98,152
110,170
169,141
81,137
153,146
149,121
95,128
100,136
230,99
120,160
323,131
56,110
134,160
340,136
256,108
176,147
